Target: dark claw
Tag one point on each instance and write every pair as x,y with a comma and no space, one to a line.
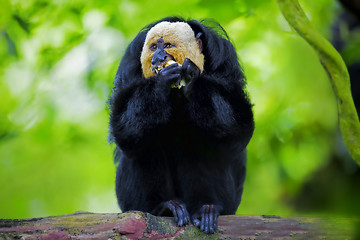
196,222
209,215
179,211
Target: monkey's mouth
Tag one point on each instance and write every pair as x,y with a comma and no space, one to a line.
157,68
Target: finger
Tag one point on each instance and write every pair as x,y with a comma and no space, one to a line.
165,71
207,219
173,210
202,226
195,220
175,76
180,216
186,62
212,220
175,64
185,213
185,65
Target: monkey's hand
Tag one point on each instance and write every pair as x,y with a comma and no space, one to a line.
189,70
206,218
178,209
170,74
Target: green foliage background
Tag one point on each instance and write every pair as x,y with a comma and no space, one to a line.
58,61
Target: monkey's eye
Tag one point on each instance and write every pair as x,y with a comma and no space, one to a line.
168,45
153,47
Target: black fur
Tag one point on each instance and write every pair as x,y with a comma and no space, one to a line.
182,150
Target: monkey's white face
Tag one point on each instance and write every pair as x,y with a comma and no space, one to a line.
179,42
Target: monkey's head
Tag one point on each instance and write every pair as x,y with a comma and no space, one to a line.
170,41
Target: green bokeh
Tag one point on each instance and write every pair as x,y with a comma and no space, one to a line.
58,61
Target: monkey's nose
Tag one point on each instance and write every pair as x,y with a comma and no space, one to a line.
158,59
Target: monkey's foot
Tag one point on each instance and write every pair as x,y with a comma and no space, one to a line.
179,211
206,218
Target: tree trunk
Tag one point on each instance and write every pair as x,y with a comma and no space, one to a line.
138,225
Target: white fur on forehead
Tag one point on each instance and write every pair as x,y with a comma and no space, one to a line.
174,30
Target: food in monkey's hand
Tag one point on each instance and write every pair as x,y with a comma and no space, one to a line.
178,84
170,62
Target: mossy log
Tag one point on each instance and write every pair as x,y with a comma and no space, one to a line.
139,225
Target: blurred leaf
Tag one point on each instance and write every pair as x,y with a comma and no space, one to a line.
24,25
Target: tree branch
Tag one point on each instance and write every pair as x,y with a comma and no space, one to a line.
335,67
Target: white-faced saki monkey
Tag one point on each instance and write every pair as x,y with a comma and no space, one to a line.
181,120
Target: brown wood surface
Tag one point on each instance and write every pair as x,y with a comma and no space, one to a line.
138,225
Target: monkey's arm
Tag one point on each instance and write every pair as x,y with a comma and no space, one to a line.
138,112
225,114
220,109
